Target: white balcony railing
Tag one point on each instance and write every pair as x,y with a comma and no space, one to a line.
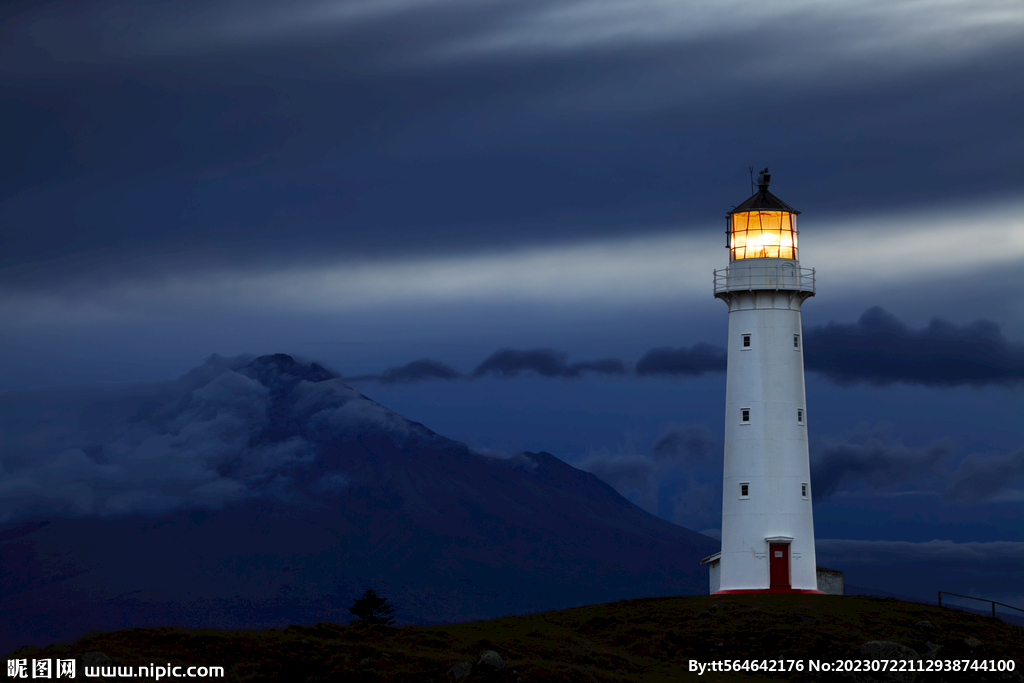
747,276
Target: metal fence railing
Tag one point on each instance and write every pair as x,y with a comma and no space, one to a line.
994,603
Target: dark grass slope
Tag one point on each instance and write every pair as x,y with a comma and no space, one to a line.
644,640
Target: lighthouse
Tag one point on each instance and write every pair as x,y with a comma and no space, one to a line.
767,525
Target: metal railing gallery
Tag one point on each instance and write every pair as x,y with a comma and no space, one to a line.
744,276
994,603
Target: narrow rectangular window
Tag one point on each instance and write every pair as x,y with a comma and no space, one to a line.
796,341
745,414
744,490
803,490
799,416
746,341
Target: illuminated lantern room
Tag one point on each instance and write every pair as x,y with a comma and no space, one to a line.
764,226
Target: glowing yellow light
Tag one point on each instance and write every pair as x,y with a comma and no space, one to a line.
763,234
766,238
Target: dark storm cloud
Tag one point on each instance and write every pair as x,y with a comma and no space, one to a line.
868,462
696,360
416,371
693,444
867,459
679,481
544,362
188,135
880,349
986,477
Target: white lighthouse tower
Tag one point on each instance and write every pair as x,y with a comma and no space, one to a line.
767,527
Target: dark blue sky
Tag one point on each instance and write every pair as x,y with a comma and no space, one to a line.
524,200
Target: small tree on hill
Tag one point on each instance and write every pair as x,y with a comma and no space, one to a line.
372,609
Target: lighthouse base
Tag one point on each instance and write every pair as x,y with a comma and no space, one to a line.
809,591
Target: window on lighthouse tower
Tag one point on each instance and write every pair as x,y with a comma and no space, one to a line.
744,415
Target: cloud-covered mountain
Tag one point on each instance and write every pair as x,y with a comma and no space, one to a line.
260,492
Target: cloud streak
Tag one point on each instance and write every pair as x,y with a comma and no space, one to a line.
877,349
888,34
544,362
244,190
696,360
840,32
659,266
873,552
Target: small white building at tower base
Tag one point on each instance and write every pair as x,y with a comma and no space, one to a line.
830,581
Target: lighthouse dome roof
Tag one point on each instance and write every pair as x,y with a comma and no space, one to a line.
763,200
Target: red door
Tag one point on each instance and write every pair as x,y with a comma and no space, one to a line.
778,565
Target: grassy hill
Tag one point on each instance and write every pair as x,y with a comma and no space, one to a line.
632,640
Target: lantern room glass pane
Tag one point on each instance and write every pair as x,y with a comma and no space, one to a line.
763,234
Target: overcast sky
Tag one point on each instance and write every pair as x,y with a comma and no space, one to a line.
502,217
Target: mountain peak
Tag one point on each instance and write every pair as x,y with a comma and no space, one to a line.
279,371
